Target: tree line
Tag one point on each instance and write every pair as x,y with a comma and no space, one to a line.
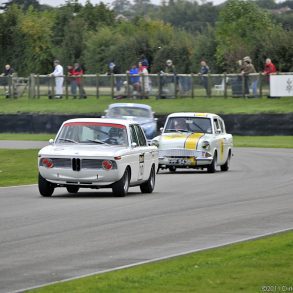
33,35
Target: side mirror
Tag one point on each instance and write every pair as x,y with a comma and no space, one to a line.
218,130
51,141
161,129
134,145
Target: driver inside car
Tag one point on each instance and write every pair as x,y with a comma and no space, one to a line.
116,136
180,124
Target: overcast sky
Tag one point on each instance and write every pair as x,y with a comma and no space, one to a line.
61,2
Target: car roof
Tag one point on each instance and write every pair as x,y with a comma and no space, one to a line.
134,105
102,120
193,114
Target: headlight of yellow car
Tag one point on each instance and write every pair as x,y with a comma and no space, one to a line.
155,143
206,145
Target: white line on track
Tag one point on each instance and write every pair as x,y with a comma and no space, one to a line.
156,259
26,185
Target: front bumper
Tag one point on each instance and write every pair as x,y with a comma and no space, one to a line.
184,158
94,178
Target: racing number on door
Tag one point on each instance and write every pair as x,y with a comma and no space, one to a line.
141,166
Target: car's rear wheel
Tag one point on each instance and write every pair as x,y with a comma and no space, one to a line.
45,187
120,188
212,166
72,189
172,169
226,166
149,185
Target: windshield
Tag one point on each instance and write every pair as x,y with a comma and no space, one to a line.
120,112
93,133
188,124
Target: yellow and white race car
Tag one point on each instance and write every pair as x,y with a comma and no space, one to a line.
194,140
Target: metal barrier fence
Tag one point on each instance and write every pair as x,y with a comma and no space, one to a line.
161,86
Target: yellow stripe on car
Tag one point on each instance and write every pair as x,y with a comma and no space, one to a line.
174,136
192,141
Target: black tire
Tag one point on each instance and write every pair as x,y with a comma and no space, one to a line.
45,187
149,185
172,169
72,189
120,188
226,166
212,166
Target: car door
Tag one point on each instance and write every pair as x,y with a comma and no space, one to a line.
135,155
220,141
226,140
145,158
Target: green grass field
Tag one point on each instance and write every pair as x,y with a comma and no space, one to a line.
263,265
93,105
18,167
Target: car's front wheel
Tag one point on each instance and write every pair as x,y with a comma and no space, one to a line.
120,188
149,185
45,187
212,166
72,189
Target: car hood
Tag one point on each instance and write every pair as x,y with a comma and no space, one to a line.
89,150
181,140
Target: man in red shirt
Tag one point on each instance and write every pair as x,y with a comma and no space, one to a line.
78,71
270,68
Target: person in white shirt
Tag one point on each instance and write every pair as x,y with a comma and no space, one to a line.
59,79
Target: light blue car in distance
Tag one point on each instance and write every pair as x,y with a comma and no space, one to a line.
140,113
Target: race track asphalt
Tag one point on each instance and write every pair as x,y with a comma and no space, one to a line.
49,239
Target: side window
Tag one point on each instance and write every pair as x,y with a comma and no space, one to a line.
141,136
133,135
222,125
217,125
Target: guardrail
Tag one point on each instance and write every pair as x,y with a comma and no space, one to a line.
161,86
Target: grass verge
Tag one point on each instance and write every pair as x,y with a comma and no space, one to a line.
18,167
263,265
264,141
27,136
91,105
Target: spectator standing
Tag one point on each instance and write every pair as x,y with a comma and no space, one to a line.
8,72
203,72
77,73
114,69
72,81
59,79
134,79
269,69
247,69
169,79
144,81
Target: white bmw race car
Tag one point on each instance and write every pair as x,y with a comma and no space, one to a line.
194,140
96,153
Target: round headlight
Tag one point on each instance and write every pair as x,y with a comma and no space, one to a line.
206,145
155,143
